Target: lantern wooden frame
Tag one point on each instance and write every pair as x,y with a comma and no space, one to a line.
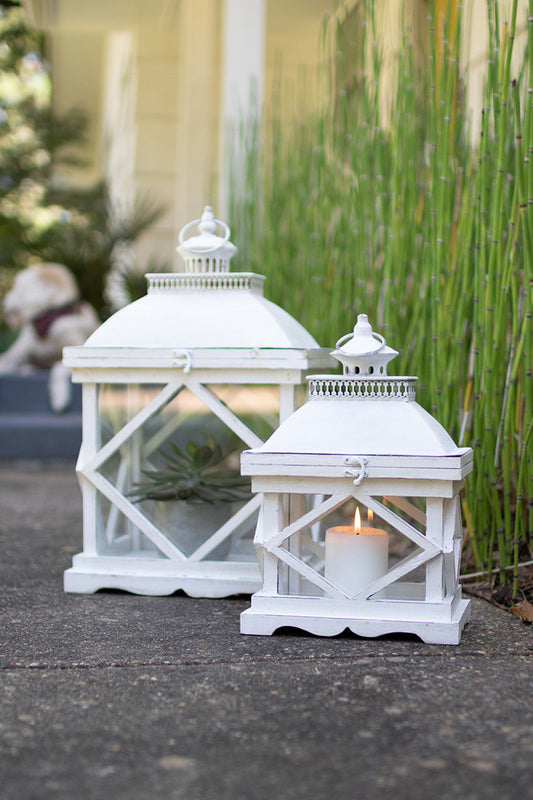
434,610
204,327
360,435
196,575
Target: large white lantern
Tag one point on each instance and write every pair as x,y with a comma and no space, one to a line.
360,441
197,351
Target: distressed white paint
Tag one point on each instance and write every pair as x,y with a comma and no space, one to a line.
199,328
397,455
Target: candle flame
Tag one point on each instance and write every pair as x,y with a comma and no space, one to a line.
357,520
370,515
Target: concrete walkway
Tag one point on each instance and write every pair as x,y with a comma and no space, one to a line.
143,698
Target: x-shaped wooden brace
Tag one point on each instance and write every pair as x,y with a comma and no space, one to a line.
90,467
427,550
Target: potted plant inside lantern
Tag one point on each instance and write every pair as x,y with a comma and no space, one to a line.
188,488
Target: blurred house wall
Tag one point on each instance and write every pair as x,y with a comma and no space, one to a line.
162,85
166,83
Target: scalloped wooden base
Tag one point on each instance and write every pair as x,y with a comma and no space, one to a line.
159,577
433,623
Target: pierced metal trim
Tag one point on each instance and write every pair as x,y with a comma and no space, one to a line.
201,282
401,388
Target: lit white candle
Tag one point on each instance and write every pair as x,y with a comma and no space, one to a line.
355,557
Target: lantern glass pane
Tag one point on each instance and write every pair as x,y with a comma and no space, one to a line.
119,403
119,536
335,536
256,406
172,473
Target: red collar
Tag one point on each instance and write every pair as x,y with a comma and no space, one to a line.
42,323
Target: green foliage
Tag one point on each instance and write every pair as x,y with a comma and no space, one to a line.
400,216
30,141
38,220
133,283
89,249
193,475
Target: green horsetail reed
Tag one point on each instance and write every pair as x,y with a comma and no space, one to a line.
399,211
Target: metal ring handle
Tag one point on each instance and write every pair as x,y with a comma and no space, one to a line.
343,339
181,237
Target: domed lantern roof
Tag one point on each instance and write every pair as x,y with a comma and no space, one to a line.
364,411
207,307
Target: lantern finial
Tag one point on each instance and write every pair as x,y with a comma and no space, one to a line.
206,252
208,223
365,352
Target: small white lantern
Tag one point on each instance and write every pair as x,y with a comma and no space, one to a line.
204,339
360,436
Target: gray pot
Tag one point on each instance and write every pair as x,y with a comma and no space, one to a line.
188,525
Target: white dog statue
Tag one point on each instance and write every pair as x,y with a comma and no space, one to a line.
45,304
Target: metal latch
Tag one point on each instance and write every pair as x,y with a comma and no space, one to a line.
359,472
182,358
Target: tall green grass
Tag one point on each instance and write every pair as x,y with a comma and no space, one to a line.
405,219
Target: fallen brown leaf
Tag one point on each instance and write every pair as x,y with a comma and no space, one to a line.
485,591
523,610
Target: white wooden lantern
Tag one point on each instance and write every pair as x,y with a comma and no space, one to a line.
360,437
193,335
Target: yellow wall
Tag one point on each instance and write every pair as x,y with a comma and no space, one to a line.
293,29
177,118
76,58
177,109
177,60
157,114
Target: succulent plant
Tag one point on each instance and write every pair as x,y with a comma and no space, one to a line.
192,475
